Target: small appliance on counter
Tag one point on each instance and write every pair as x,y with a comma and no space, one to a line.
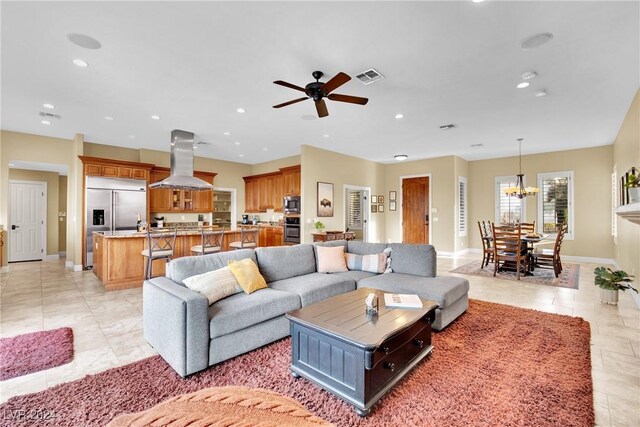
159,221
245,219
256,219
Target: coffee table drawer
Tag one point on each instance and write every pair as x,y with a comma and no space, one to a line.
397,341
417,343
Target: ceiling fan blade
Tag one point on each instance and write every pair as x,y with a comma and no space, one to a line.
322,108
289,85
348,98
337,81
284,104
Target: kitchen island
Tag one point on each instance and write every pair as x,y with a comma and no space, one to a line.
119,264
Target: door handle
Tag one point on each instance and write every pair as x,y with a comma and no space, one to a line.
13,227
426,218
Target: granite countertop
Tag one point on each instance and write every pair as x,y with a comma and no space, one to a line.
128,234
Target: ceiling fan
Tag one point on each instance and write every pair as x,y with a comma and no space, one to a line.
318,90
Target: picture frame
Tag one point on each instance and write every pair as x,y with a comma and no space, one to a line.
381,200
325,199
392,205
392,196
374,208
374,200
381,208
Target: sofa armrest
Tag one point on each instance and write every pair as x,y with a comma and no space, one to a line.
176,324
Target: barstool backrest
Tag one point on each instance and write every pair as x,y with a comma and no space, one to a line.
211,238
161,241
249,235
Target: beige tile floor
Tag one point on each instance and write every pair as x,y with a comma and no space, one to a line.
107,326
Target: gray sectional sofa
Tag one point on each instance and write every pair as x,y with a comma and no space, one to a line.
191,335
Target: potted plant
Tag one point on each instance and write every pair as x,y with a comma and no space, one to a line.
610,282
633,186
318,225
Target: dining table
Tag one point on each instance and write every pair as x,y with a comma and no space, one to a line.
533,242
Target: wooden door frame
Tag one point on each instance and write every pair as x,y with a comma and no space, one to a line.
43,213
400,196
367,208
234,206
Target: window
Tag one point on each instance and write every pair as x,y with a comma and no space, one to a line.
555,202
508,209
462,206
354,209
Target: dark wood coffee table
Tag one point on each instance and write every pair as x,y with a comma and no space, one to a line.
355,355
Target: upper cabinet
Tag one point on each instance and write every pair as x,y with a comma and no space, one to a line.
96,166
266,191
167,200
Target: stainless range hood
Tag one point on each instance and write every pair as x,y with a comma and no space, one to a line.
182,164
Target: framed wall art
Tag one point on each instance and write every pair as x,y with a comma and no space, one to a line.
381,208
392,196
325,199
381,200
392,205
374,208
374,200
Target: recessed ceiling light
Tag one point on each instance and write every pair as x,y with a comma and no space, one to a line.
237,143
84,41
476,145
80,63
536,41
240,155
226,133
241,110
528,75
477,1
154,117
132,137
540,93
265,149
108,118
326,135
522,85
400,157
50,106
399,116
45,122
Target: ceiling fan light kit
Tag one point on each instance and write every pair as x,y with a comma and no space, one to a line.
317,91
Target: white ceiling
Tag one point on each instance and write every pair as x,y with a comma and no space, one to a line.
194,63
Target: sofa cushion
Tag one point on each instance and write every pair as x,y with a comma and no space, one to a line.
248,276
183,267
375,263
283,262
355,274
419,260
445,290
242,310
214,285
365,248
315,287
330,259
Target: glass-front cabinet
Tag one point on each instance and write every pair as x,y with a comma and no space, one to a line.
222,208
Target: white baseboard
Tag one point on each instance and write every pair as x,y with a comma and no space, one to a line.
4,269
587,259
77,267
68,264
452,254
52,257
62,254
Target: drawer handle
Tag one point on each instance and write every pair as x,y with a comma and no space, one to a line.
386,350
419,343
390,366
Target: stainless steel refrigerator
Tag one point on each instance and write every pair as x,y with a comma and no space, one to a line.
113,205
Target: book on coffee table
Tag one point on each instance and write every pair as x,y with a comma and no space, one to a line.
402,300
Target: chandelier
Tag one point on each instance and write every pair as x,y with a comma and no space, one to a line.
520,191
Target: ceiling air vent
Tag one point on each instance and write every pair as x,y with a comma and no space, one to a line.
369,76
447,127
49,115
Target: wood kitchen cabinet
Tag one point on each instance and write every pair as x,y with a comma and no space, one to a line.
266,191
291,179
166,200
270,235
159,198
95,166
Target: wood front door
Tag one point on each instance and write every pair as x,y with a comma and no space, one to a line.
26,214
415,210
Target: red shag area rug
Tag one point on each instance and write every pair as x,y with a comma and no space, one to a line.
496,365
568,278
36,351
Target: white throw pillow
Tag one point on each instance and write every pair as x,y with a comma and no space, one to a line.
331,259
214,285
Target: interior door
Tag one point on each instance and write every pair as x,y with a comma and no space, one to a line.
415,210
26,216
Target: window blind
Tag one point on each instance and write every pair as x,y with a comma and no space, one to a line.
508,209
554,201
462,206
354,215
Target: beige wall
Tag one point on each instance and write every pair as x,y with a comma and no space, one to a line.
442,194
28,147
62,207
51,178
111,152
626,153
327,166
592,195
274,165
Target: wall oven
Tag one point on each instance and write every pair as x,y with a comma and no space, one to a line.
291,205
292,230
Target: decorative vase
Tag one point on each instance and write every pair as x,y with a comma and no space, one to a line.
634,194
609,296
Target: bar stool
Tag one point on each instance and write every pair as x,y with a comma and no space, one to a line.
210,242
248,239
160,245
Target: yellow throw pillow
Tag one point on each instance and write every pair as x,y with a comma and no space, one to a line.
247,274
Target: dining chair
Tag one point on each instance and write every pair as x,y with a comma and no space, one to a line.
547,258
210,241
527,227
160,245
487,246
508,251
248,238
